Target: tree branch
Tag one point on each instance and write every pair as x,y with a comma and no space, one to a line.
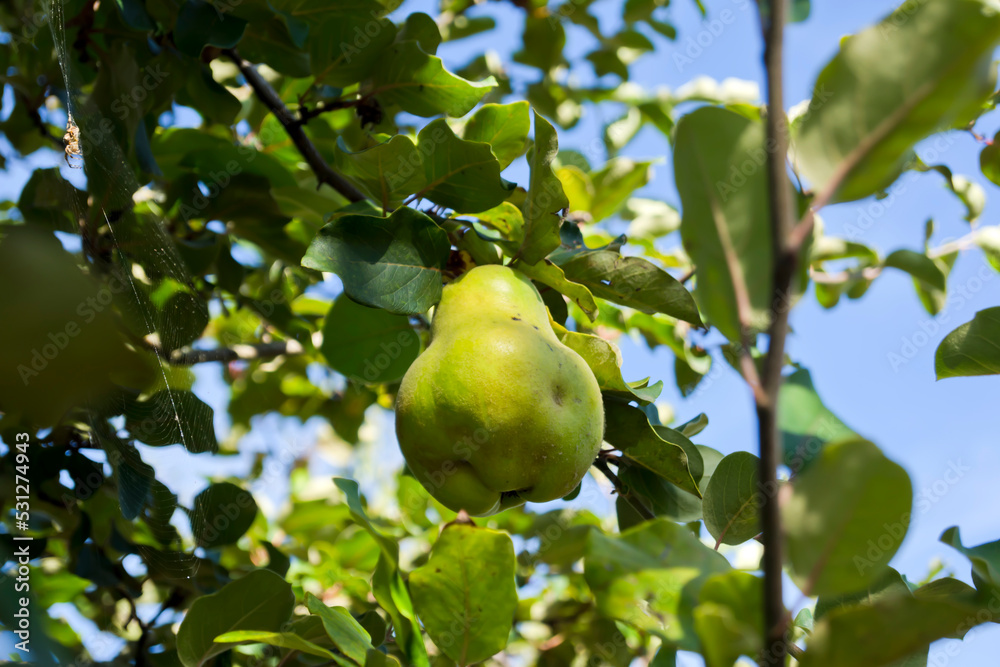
270,98
786,242
643,511
190,357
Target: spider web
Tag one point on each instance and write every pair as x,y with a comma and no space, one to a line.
143,257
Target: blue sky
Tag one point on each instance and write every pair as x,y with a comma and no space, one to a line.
941,432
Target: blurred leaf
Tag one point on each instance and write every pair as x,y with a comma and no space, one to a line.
287,640
659,562
805,422
200,24
971,349
948,46
918,265
614,183
465,594
222,513
845,518
729,617
393,263
719,163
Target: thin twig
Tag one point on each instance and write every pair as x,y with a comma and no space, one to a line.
190,357
786,243
324,173
623,491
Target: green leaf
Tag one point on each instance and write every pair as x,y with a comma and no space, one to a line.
173,416
918,265
604,359
419,84
729,617
505,219
845,518
271,43
985,559
348,45
633,282
805,422
547,273
465,593
393,263
732,501
661,563
664,499
676,459
288,640
649,218
971,349
719,163
388,586
503,126
614,183
422,29
461,175
200,24
545,197
947,76
368,345
389,172
345,632
890,629
989,160
261,600
221,514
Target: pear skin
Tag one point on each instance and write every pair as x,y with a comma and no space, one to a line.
497,411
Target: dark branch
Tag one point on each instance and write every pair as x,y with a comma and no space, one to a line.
270,98
623,491
786,243
190,357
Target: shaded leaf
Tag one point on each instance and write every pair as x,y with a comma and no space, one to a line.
393,263
368,345
947,47
345,632
629,430
804,421
719,161
845,518
221,514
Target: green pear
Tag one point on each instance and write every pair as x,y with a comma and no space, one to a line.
497,411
